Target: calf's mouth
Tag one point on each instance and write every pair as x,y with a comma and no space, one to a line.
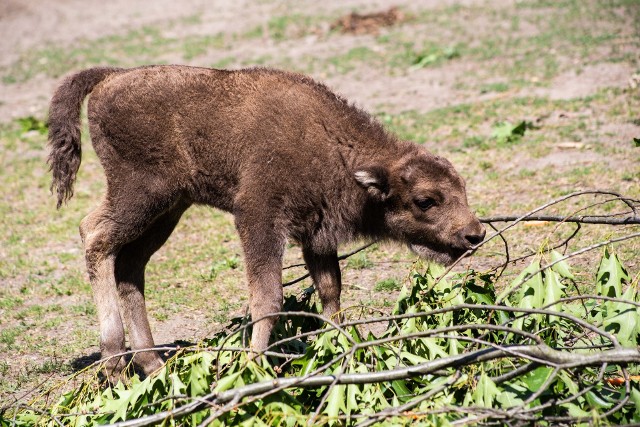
436,253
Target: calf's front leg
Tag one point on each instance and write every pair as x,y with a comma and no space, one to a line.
325,272
263,250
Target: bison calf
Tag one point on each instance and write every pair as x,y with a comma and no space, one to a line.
286,156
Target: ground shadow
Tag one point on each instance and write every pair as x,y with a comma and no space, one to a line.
86,361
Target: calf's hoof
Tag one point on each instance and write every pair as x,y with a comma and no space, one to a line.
149,361
113,370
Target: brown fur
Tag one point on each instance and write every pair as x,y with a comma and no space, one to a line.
285,155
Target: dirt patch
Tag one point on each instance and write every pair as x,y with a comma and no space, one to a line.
62,22
368,23
561,158
578,83
421,90
189,326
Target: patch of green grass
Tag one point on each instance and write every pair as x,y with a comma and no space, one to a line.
631,176
345,62
494,87
10,302
569,29
230,263
467,123
359,261
72,282
30,123
526,173
223,313
8,335
285,27
475,142
387,285
224,62
194,19
432,55
194,46
85,309
51,366
137,47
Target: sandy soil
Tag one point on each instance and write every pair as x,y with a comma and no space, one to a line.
26,25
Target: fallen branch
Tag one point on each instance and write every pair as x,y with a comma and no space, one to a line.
563,360
590,219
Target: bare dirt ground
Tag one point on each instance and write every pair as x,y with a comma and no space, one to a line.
65,22
445,75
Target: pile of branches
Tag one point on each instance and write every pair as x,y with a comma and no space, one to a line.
453,351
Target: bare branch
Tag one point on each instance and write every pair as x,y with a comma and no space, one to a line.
555,218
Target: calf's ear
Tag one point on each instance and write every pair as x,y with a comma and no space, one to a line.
375,180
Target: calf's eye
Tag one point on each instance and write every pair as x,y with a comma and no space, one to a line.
425,204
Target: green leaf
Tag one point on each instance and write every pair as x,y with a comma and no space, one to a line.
597,401
353,391
435,350
635,398
520,128
335,402
505,132
625,325
636,141
120,404
227,382
400,388
530,295
479,294
413,358
519,281
611,276
198,383
508,399
553,290
536,378
562,267
576,411
178,387
565,378
485,392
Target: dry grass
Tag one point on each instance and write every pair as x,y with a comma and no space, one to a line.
444,76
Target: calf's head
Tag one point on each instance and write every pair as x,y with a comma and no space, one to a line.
424,204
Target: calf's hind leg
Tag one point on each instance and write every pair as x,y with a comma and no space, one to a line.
104,232
130,266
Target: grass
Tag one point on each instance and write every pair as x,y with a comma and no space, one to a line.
427,43
359,261
197,278
387,285
285,27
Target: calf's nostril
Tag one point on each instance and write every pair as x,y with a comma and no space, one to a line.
475,239
472,234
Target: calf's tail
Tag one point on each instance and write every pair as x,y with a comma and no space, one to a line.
64,128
